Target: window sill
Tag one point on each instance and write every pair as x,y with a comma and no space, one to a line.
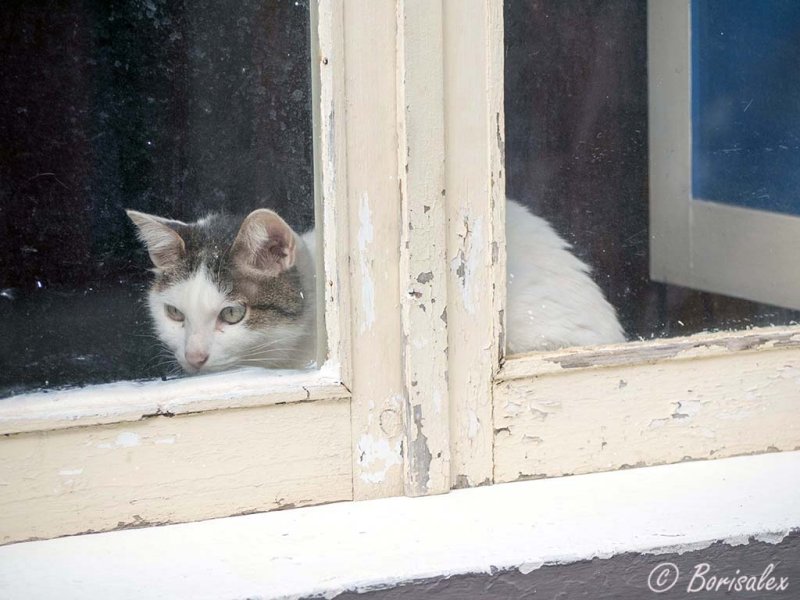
333,548
133,401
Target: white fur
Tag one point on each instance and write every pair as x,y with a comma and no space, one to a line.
552,303
234,345
552,300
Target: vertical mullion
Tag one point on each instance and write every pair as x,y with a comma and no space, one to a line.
369,200
330,164
475,183
423,255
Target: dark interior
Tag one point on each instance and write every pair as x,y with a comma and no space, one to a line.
577,154
178,108
175,108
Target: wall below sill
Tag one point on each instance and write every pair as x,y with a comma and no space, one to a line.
495,531
628,577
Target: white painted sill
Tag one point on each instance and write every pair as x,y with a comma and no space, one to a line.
135,400
329,549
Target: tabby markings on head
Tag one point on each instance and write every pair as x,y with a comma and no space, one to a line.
230,292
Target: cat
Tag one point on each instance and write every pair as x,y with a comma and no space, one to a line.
552,302
231,293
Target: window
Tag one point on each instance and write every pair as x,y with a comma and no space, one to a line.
171,109
412,105
174,110
732,201
581,95
580,98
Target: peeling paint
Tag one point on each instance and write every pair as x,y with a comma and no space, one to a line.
700,346
419,454
365,238
468,259
730,404
70,472
686,409
127,439
473,425
376,456
512,409
437,401
531,439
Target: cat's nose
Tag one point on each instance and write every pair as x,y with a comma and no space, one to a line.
196,358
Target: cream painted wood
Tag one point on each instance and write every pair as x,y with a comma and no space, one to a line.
599,409
367,191
330,190
285,460
475,190
670,154
247,443
423,252
169,470
744,253
130,401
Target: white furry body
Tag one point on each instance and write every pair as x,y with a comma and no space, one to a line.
552,301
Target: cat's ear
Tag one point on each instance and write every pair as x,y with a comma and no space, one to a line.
265,244
165,246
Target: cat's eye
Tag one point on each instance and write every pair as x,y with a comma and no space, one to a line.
232,314
173,313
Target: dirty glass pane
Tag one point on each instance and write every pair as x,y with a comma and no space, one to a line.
746,108
174,108
577,155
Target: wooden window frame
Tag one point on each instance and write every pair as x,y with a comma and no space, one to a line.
416,396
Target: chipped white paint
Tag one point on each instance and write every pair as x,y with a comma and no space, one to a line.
475,184
132,401
364,136
365,239
702,345
330,189
436,397
469,259
597,409
325,550
219,463
376,457
423,249
70,472
127,439
474,425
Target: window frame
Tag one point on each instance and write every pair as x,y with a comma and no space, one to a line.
709,395
413,399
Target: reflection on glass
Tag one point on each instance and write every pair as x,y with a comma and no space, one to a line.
577,155
173,109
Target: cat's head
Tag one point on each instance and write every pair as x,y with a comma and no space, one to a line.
229,292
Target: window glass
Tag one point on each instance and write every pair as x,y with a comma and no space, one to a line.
745,115
173,109
576,101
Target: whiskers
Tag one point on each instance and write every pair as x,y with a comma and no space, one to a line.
163,359
273,353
